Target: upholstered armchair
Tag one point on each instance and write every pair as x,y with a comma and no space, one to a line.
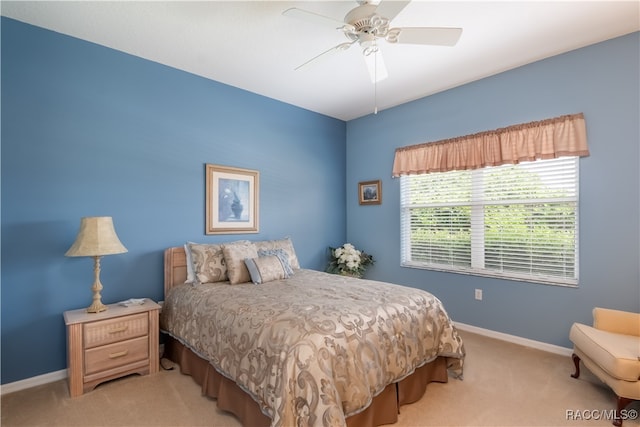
610,349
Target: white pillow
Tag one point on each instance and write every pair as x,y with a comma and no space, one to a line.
190,273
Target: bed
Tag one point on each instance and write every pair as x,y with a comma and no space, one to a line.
306,349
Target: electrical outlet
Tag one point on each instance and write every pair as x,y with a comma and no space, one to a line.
479,294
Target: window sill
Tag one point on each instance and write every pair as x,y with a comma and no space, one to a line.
536,280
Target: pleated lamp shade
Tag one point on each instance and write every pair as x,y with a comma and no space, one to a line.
96,237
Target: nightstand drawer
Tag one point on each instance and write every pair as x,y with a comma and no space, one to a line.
117,329
117,354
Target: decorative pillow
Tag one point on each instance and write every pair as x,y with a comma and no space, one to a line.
208,263
234,254
282,256
265,269
285,244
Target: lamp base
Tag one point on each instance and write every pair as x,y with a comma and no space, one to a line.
96,307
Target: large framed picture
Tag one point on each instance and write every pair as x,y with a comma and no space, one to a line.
370,192
232,197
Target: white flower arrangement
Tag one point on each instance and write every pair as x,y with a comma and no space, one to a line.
348,261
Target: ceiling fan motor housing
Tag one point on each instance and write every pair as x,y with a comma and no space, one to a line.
364,25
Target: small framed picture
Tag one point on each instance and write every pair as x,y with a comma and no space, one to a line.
370,192
232,197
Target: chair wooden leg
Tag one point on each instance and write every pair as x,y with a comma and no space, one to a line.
622,403
576,362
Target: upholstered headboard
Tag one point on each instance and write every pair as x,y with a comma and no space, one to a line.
175,268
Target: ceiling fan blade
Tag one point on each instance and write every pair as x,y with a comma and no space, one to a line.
440,36
309,16
376,67
391,8
327,53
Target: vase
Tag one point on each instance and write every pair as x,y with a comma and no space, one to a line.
351,274
236,208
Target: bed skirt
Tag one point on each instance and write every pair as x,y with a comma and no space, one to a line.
383,410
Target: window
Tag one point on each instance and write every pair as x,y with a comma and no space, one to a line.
513,221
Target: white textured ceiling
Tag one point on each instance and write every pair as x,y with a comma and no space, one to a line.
251,45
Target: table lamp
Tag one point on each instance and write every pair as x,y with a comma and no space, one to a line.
96,238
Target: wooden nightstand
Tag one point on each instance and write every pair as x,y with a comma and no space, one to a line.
107,345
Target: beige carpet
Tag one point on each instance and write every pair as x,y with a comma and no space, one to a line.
504,385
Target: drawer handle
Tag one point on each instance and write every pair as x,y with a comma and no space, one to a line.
120,329
118,354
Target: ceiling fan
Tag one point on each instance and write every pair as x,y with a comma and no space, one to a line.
368,23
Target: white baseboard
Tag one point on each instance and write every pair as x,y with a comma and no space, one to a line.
564,351
33,382
62,374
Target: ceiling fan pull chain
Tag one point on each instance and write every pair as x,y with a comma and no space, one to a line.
375,80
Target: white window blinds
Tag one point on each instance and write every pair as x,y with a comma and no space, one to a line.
512,221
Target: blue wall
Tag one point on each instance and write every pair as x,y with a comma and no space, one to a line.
602,82
90,131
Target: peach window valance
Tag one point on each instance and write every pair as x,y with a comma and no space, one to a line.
546,139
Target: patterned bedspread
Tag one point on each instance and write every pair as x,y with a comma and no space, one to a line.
314,348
